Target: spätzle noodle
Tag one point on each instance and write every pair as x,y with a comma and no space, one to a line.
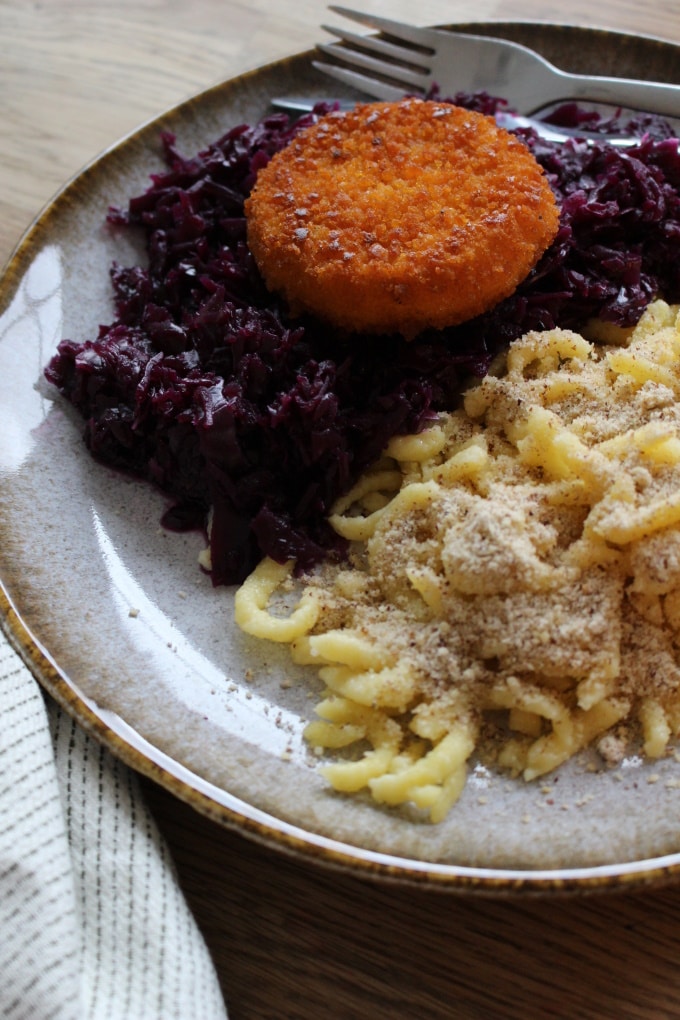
252,599
514,583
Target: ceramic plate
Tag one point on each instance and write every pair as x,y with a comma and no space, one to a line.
119,624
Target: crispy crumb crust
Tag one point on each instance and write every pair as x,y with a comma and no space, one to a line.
396,217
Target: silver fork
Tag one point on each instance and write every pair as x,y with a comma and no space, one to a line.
510,121
455,61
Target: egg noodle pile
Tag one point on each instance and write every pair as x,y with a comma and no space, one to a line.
514,582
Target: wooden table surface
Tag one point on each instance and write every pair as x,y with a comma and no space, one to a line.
292,941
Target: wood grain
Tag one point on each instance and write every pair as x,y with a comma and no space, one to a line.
293,941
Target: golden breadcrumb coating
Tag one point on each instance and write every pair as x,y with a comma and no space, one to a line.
396,217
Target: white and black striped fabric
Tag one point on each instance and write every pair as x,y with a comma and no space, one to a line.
93,925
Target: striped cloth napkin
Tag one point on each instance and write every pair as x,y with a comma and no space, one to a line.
93,925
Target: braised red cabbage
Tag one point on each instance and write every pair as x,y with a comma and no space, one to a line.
204,385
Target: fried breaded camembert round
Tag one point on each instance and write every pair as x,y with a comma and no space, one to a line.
395,217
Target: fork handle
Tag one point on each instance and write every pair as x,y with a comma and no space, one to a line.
637,95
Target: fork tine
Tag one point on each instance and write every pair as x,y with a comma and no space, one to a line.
375,44
424,37
416,79
369,86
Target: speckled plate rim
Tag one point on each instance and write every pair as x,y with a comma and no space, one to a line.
219,805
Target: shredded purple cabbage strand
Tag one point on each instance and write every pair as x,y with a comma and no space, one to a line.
204,385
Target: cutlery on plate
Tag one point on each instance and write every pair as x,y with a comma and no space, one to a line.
510,121
405,59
